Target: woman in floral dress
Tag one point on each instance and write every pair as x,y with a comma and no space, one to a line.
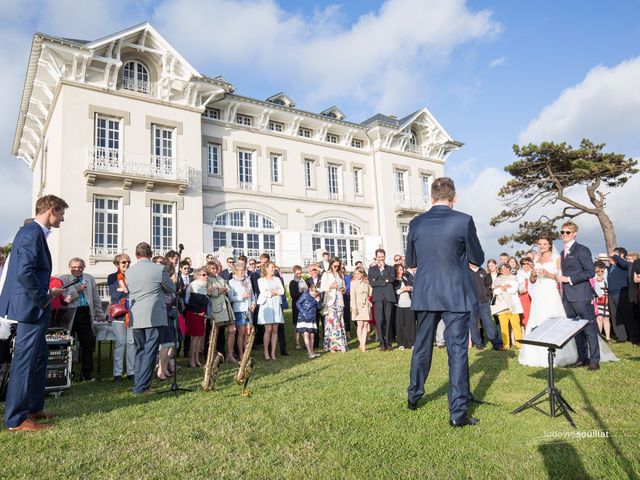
333,286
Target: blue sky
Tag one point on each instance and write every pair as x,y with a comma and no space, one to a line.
494,73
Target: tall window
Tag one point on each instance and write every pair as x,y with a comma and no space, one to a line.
401,181
244,119
404,231
214,165
412,144
356,143
425,181
334,192
276,175
162,227
357,181
164,163
245,169
106,226
107,142
135,77
309,178
337,236
249,232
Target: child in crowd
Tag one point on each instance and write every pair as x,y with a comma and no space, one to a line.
308,306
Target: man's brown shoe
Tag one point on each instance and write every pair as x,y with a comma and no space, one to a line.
29,425
41,415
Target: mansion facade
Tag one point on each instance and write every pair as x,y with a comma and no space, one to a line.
145,148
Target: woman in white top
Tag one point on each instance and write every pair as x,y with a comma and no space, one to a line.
243,303
405,318
505,288
270,311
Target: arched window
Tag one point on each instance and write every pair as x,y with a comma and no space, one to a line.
135,77
412,144
249,232
340,237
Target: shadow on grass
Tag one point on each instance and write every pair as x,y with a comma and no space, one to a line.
562,460
619,456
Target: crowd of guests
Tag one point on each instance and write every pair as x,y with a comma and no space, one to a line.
616,299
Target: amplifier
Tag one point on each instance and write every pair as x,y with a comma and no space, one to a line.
59,364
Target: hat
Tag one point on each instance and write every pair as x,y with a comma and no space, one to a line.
603,256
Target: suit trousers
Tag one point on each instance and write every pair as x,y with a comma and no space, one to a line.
147,342
25,392
456,336
124,338
488,325
405,327
621,314
588,336
84,333
383,311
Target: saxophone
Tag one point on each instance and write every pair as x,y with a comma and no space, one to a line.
214,359
246,364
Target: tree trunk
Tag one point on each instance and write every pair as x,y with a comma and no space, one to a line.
607,229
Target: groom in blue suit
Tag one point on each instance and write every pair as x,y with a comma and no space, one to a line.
26,298
441,244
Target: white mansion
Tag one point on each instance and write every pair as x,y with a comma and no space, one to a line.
145,148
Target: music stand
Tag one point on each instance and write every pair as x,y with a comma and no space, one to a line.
552,334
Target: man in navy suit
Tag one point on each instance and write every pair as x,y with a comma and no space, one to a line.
381,278
577,268
26,298
441,244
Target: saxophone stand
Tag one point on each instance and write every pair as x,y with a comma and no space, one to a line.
556,402
174,385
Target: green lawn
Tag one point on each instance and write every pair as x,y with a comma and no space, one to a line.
339,416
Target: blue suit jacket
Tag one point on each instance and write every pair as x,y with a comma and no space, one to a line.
25,295
578,266
441,243
618,275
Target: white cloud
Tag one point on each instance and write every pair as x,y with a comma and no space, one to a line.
604,107
496,62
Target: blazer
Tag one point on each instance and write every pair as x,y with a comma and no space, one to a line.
578,266
25,293
618,275
147,283
634,288
307,307
382,283
441,243
360,307
330,295
397,284
91,295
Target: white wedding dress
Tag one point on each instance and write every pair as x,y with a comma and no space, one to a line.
546,303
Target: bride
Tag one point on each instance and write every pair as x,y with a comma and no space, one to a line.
547,303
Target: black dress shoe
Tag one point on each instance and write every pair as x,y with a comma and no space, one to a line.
464,422
412,405
117,378
382,348
285,354
479,347
578,364
593,366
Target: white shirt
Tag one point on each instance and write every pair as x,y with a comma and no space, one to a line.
45,230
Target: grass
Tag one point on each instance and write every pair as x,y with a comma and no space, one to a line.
339,416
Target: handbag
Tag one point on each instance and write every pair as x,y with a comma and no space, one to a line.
118,310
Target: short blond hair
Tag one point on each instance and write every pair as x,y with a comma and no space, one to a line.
50,201
571,225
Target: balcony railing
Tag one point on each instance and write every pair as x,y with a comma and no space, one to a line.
335,196
406,201
247,186
140,86
104,251
147,166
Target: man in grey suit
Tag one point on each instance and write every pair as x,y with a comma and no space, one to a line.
147,283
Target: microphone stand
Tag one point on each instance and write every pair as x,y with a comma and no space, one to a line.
174,384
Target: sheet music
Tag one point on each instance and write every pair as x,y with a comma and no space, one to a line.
554,332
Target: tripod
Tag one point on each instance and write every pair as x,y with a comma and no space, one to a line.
556,401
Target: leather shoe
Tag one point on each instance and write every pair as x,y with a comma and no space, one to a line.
382,348
412,405
29,425
479,347
593,366
578,364
464,422
41,415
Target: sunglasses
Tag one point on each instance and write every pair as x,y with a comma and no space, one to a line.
125,263
566,232
202,274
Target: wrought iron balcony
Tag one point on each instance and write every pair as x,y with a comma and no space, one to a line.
136,167
405,202
140,86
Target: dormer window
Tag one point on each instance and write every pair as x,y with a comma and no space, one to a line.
276,126
412,144
213,113
332,138
356,143
135,77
